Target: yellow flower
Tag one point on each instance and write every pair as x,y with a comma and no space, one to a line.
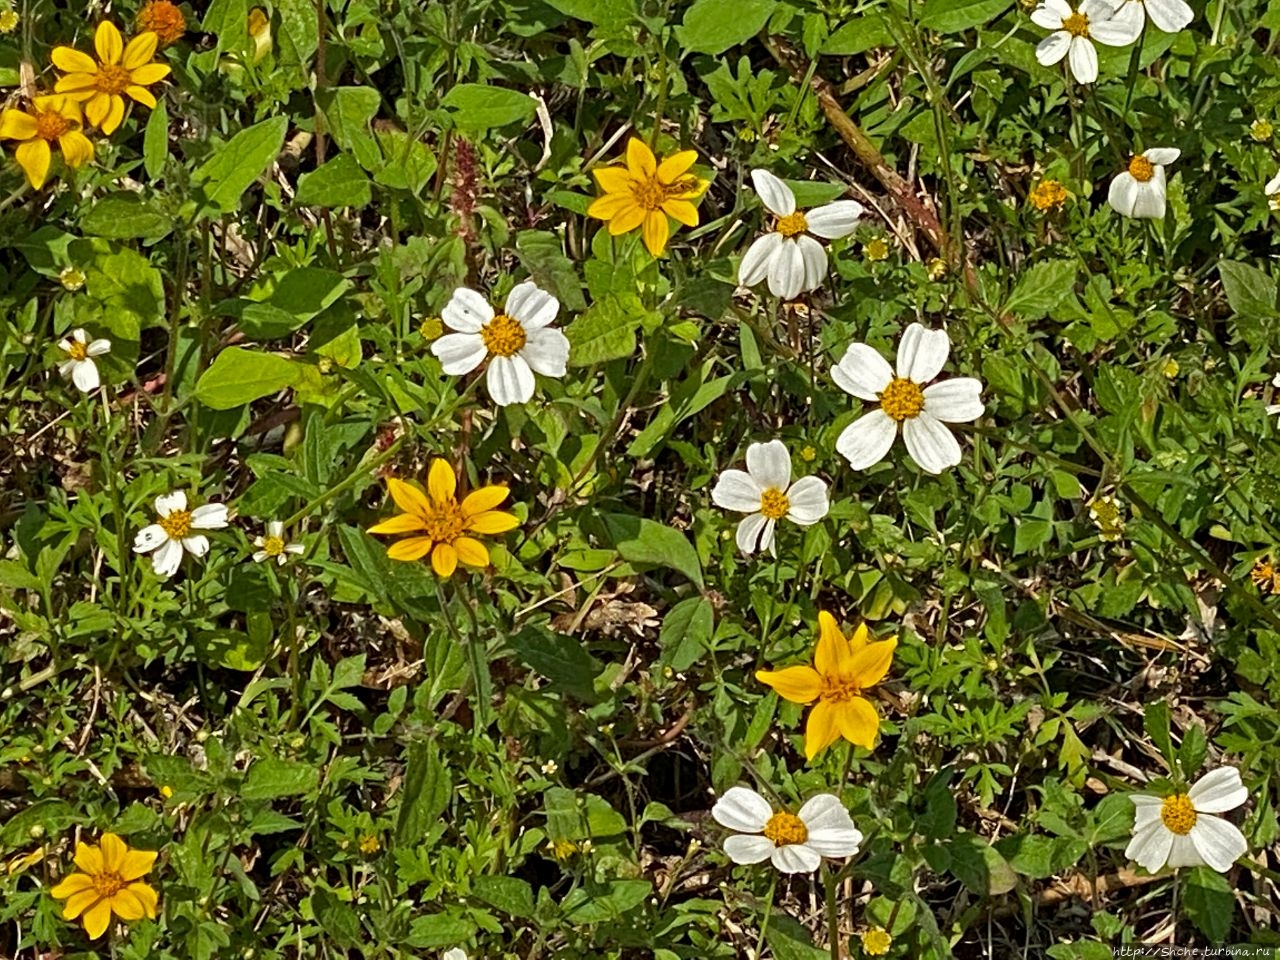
370,844
9,21
876,249
50,118
164,19
876,942
1105,513
431,328
645,192
1048,195
1264,576
120,70
107,884
441,522
842,670
1261,130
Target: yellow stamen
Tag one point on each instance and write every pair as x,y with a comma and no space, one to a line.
786,828
1178,814
273,546
792,224
107,884
113,78
1077,25
51,125
177,524
1141,169
902,399
443,522
774,504
78,350
503,336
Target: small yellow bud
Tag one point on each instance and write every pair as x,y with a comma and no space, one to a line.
71,279
876,942
1170,368
9,21
369,845
1261,130
166,791
937,268
876,250
808,454
431,328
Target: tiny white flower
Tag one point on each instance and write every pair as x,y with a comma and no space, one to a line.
1180,831
1274,408
792,260
172,533
1139,191
518,342
550,767
274,545
1076,30
794,842
80,367
766,492
922,411
1171,16
1272,190
454,953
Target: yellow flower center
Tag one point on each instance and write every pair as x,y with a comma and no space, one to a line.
1178,814
786,828
1077,25
50,125
792,224
443,522
839,690
113,78
1048,195
503,336
650,194
370,845
1141,169
273,546
902,399
107,884
177,524
774,504
78,350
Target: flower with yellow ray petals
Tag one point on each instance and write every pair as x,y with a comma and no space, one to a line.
843,669
119,70
109,881
49,119
645,192
440,523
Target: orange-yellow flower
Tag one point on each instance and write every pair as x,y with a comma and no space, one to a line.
119,70
645,192
164,19
440,523
108,883
50,118
843,669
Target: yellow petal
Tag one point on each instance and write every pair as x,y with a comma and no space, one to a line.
860,638
400,523
146,896
482,499
858,721
88,859
797,684
34,157
114,115
656,232
414,548
113,852
696,188
70,60
149,73
492,522
682,210
640,159
670,169
97,108
626,220
471,552
444,560
16,125
407,498
868,666
79,902
137,863
610,205
126,906
77,149
142,95
820,731
442,482
108,42
80,85
98,917
140,49
71,883
832,649
613,179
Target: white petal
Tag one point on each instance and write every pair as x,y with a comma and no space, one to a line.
1146,810
1097,10
751,532
1123,193
1122,29
275,528
533,307
148,538
1150,847
259,556
834,220
755,263
1169,15
85,375
547,352
209,516
1183,852
767,535
786,271
862,372
466,311
1083,59
98,347
459,353
1053,48
509,380
1273,186
831,829
748,848
958,400
1219,843
1059,8
167,559
1150,199
1162,156
65,346
1218,791
796,858
197,546
808,499
735,490
66,366
454,953
922,353
742,809
865,442
930,443
294,548
1048,19
814,257
167,503
80,335
769,464
774,194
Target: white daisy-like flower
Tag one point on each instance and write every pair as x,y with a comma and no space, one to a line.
1139,191
1272,190
274,545
1274,408
795,842
922,411
789,256
518,342
765,491
1075,30
1180,830
173,533
80,366
1171,16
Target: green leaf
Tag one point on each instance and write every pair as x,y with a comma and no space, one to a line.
511,895
597,902
241,376
559,658
301,295
126,284
1042,288
1155,721
542,254
952,16
272,777
1210,902
424,796
126,216
713,26
610,12
349,112
155,142
686,633
225,177
229,21
980,867
337,918
858,35
477,107
650,543
439,930
1252,295
606,331
338,183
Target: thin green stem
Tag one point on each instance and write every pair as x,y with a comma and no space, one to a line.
768,911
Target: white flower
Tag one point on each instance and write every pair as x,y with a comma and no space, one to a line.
454,953
1170,16
1271,190
1179,830
1075,31
795,842
80,367
904,400
1139,191
274,545
171,534
793,261
1274,408
517,342
766,492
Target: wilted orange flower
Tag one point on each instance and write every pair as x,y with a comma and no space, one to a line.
109,883
1048,195
164,19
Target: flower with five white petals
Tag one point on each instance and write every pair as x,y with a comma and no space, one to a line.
1139,190
79,366
905,401
517,343
1075,30
765,491
1180,830
274,545
789,256
174,532
1171,16
794,842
